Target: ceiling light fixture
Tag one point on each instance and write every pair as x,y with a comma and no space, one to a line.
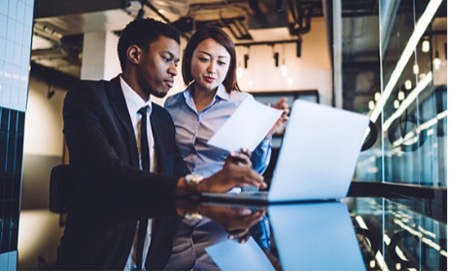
298,47
436,61
246,57
276,57
377,96
415,68
408,85
409,99
240,71
284,69
425,45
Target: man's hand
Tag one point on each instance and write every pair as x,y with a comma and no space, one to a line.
282,105
236,172
235,220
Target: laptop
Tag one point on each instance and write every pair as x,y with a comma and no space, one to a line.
317,157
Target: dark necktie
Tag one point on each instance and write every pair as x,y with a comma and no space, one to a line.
145,166
145,162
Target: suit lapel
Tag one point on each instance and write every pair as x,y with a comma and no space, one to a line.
120,109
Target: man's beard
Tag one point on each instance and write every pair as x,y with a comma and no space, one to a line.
160,94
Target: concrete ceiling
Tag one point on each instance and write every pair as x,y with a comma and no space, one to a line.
59,26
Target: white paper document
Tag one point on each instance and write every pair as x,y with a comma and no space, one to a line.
230,255
246,127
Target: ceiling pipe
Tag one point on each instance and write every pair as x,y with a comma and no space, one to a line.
302,18
271,43
159,14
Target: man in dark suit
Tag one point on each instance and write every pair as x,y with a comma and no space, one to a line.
101,131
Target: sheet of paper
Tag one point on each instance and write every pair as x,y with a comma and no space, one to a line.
246,127
230,255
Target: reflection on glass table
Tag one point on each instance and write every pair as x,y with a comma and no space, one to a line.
317,236
356,234
396,235
309,236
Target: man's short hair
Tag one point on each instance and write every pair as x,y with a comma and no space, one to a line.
142,32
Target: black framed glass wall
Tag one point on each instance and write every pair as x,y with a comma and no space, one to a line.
406,100
409,107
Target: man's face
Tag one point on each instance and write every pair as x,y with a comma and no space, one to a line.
157,66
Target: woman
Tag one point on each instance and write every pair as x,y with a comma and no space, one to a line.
212,95
209,68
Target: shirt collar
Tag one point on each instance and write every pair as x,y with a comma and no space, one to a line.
221,92
133,101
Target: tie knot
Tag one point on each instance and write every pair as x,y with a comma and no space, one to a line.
144,110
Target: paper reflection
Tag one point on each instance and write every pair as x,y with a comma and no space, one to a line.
230,255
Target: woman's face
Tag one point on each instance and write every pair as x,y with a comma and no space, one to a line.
209,65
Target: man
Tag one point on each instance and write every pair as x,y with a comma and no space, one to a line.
102,131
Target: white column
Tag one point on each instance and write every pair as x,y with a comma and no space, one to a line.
100,58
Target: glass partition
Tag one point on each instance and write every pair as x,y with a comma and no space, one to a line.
410,109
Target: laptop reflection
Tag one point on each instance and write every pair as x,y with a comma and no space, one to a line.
315,237
308,237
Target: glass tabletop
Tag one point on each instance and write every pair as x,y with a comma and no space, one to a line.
353,234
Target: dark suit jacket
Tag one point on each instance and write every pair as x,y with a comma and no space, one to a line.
103,153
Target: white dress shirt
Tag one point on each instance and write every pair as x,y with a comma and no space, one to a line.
134,103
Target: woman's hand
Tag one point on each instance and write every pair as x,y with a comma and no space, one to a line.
282,105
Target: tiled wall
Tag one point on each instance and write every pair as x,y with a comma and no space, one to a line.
16,24
11,145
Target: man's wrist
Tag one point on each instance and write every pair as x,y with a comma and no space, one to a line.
188,209
192,182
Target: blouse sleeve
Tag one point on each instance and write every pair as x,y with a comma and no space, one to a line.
260,157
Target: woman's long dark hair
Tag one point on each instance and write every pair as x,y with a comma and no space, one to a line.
217,34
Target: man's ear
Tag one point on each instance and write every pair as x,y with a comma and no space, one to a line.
134,54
